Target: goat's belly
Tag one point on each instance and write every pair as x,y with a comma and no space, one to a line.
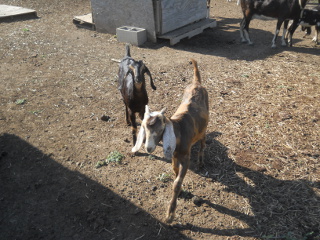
263,17
305,24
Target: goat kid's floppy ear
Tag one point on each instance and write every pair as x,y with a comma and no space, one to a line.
142,132
140,139
151,81
169,140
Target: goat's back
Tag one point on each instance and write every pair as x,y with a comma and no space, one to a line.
286,9
123,80
310,17
195,97
192,116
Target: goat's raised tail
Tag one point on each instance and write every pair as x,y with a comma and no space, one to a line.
127,51
196,76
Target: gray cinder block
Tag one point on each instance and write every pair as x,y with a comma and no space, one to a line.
134,35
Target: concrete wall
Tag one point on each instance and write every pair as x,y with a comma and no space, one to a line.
108,15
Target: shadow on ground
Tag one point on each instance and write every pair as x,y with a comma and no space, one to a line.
281,209
40,199
225,38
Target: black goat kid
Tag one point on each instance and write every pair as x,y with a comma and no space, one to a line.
132,86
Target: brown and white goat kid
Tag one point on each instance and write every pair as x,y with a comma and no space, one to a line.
186,127
132,86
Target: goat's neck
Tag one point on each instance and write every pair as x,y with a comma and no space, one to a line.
176,128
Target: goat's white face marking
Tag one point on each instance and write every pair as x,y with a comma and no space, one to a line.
152,128
154,124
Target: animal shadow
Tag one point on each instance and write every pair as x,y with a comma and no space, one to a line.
289,209
42,199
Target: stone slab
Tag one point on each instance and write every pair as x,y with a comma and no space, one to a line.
12,11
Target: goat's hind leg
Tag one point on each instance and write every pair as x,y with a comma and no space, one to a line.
291,30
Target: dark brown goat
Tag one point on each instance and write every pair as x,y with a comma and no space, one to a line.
283,10
132,86
186,127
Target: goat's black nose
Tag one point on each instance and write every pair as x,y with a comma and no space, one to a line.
138,79
149,149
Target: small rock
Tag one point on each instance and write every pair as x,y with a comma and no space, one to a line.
223,93
105,118
197,200
285,116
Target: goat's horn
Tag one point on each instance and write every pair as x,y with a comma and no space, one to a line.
146,70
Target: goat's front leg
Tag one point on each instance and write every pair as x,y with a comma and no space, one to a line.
175,166
274,40
315,38
141,113
133,125
243,39
284,35
177,184
244,30
127,116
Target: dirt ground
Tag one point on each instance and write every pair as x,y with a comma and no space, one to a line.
261,178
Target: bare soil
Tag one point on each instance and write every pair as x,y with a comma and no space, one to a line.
261,179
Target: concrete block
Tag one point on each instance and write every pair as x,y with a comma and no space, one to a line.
108,15
134,35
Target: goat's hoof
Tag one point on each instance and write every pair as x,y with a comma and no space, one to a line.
131,154
250,43
169,218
